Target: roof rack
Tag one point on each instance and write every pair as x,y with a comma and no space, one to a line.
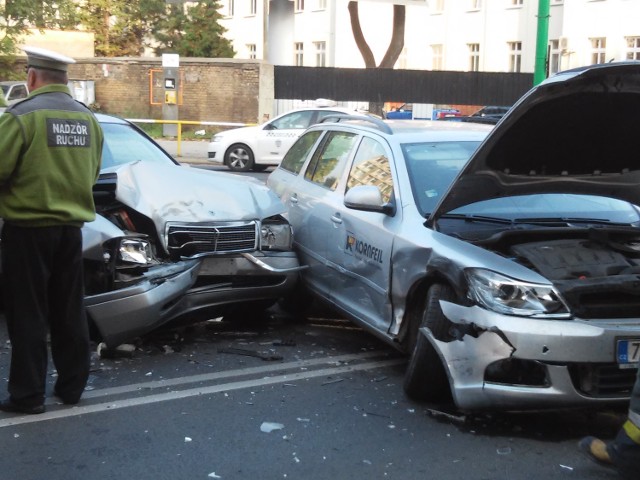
379,124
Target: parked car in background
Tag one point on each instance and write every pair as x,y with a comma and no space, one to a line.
14,91
491,111
261,146
173,243
511,279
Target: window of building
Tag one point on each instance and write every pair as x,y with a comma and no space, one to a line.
251,48
253,7
298,49
322,4
231,6
517,3
555,54
299,6
598,50
474,57
437,62
515,56
633,48
321,54
437,6
475,4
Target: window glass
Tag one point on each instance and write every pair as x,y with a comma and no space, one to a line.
19,91
295,157
123,144
554,206
330,160
371,167
293,120
325,113
432,167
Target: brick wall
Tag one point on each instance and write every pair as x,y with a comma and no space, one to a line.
217,90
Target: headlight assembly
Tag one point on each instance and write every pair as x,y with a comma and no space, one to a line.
509,296
275,234
135,251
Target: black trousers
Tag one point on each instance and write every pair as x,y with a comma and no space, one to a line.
44,293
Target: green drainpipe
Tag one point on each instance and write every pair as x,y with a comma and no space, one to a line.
542,40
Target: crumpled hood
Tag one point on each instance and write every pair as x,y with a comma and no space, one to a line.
167,193
574,133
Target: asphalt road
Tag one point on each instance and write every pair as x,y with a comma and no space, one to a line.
324,401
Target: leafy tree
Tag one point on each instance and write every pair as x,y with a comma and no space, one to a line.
194,33
203,36
18,16
121,27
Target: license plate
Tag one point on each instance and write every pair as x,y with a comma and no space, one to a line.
628,353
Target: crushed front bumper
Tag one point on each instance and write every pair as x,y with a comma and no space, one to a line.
239,279
123,314
562,349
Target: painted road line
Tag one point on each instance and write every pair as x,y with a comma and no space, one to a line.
194,392
209,377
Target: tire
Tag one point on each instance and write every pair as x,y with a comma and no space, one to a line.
426,378
298,302
239,158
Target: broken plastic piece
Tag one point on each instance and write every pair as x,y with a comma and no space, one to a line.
125,350
268,427
250,353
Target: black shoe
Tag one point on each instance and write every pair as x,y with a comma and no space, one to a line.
10,406
66,399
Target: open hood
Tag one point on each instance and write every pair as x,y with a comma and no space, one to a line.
574,133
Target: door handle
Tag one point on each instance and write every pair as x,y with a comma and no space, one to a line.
293,198
336,218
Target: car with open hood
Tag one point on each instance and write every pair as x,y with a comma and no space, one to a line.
512,279
177,244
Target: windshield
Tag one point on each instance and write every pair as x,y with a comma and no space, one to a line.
432,166
553,208
124,144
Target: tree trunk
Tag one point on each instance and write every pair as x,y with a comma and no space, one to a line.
393,51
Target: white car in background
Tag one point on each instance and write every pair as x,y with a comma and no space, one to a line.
261,146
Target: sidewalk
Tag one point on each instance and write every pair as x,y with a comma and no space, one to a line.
191,151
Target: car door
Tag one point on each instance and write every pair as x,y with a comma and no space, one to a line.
311,202
277,136
361,243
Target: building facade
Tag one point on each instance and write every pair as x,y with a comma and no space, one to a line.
454,35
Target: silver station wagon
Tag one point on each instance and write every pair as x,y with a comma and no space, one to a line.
504,260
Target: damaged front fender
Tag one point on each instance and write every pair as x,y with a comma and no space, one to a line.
487,338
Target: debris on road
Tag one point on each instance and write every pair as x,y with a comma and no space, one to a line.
250,353
268,427
126,350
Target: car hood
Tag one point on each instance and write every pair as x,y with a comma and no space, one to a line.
186,194
573,133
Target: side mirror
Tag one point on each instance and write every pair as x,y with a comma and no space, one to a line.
368,199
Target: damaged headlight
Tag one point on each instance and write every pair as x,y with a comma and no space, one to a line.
135,251
512,297
275,234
